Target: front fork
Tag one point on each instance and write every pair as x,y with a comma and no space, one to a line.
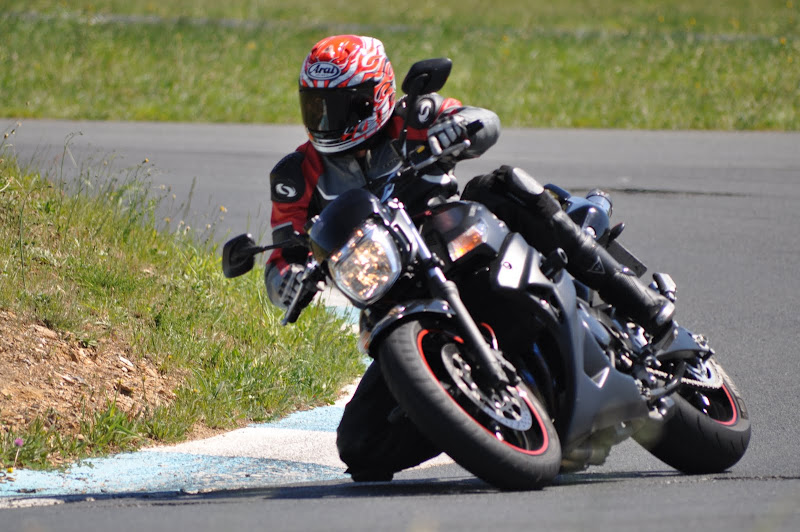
499,370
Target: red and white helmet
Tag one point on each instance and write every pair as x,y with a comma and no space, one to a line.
347,91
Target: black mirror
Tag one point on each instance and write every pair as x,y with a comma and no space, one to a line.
237,255
427,76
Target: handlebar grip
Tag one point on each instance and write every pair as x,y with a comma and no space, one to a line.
294,309
301,298
291,317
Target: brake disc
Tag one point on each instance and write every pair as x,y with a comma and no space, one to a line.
505,405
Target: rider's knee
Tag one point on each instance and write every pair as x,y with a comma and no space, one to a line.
509,185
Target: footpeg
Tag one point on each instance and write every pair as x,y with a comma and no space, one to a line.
666,286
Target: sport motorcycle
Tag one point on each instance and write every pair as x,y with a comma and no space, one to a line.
495,352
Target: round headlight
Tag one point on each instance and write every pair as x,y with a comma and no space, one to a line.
367,266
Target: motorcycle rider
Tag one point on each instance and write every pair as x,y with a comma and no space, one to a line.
347,99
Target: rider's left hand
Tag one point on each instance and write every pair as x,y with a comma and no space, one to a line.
445,132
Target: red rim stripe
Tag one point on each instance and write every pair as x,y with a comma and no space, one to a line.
735,416
536,452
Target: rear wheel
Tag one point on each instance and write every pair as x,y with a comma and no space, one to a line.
502,434
710,429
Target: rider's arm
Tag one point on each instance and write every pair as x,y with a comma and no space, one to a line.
432,109
291,187
485,137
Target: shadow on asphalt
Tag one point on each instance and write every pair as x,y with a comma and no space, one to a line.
337,489
403,487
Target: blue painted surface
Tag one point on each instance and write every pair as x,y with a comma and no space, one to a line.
324,419
152,471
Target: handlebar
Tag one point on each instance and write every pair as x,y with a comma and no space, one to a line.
384,187
458,147
313,273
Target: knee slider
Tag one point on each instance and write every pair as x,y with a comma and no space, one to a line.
522,183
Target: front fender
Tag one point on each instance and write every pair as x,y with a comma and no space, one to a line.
400,313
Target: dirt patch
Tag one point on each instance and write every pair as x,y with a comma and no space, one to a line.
52,376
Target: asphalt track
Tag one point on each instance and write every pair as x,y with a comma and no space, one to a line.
718,211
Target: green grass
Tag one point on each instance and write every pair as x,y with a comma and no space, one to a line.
97,263
593,63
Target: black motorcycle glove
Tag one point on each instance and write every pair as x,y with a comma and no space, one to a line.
445,132
291,283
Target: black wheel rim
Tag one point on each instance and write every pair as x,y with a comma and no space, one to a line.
716,403
529,437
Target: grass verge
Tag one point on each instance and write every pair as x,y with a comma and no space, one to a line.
592,63
93,266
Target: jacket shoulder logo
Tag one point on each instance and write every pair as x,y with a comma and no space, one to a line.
424,111
323,71
285,191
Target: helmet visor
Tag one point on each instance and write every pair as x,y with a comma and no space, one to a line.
334,110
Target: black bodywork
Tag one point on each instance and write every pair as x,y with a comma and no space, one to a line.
563,347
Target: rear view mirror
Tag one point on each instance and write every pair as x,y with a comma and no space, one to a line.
423,77
237,255
427,76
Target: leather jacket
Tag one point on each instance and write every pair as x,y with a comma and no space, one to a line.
305,181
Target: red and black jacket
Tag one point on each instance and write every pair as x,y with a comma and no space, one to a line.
305,181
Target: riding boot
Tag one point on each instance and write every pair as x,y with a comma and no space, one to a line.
526,207
594,266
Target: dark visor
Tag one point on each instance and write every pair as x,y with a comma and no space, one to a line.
334,110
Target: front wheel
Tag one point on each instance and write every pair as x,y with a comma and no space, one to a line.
710,429
502,435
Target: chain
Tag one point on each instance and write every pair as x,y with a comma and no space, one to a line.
714,382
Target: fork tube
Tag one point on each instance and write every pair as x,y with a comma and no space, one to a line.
447,290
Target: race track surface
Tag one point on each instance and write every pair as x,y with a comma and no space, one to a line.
718,211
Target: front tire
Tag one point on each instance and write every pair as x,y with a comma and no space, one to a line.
504,437
709,431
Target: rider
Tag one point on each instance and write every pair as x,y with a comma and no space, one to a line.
347,99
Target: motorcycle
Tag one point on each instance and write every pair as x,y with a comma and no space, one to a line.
496,353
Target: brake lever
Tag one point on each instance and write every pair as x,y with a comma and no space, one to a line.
457,147
438,153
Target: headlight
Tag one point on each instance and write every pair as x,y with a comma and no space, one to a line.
367,265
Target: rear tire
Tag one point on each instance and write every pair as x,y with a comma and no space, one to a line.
504,437
709,431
